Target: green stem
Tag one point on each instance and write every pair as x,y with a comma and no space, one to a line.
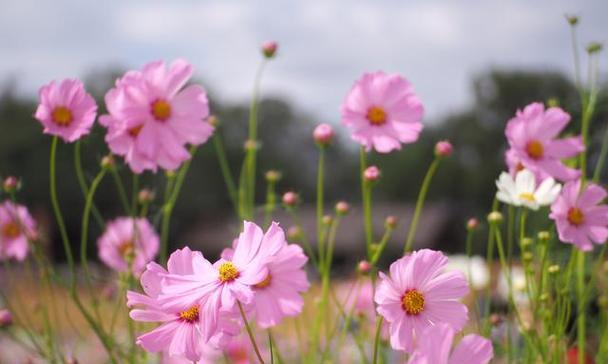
468,250
83,184
57,210
225,168
580,291
420,204
381,246
305,243
601,162
367,202
271,202
320,209
250,333
377,339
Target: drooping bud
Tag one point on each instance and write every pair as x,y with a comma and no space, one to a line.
6,318
364,267
443,149
371,174
495,217
107,161
472,224
390,223
273,176
323,134
10,184
145,196
291,199
342,208
269,48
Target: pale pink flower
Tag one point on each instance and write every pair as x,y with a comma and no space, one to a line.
66,110
151,118
184,328
16,227
128,244
383,112
532,137
437,345
580,215
278,295
419,293
323,134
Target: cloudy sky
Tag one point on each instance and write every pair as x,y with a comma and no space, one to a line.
325,44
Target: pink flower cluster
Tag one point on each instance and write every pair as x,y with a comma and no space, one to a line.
197,302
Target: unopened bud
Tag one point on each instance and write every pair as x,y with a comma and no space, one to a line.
371,174
273,176
544,297
496,319
10,184
526,242
213,120
472,224
527,256
553,102
364,267
544,236
170,174
107,161
323,134
572,19
553,269
594,47
294,233
327,219
495,217
6,318
269,49
251,144
145,196
443,149
291,199
390,223
342,208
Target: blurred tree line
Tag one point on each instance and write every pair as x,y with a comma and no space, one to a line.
466,180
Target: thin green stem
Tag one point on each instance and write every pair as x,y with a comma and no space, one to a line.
320,209
305,243
250,333
580,291
225,168
420,204
377,339
57,210
271,202
382,245
83,184
122,194
367,202
601,161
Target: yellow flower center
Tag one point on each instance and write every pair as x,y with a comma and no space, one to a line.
161,110
376,115
265,283
190,315
62,116
228,272
575,216
535,149
527,196
134,131
412,302
126,249
10,230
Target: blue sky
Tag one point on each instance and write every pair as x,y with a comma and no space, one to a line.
324,45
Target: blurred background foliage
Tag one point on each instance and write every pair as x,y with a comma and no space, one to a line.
465,181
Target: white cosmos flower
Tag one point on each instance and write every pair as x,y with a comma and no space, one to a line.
522,190
479,277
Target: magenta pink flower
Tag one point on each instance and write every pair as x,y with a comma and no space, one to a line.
128,244
437,344
278,294
66,110
150,120
580,216
443,148
184,328
383,112
419,293
323,134
532,137
16,228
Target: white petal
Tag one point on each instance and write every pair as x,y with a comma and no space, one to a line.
525,182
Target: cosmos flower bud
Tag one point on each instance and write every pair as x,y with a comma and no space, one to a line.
526,242
6,318
251,144
342,208
572,19
496,319
273,176
544,236
390,222
269,49
371,174
553,269
472,224
527,256
323,134
107,161
291,199
443,149
170,174
364,267
594,47
213,120
10,184
553,102
145,196
327,219
294,233
495,217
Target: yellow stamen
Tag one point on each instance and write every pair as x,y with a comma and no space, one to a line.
190,315
575,216
265,283
376,115
10,230
412,302
228,272
126,249
527,196
62,116
535,149
161,110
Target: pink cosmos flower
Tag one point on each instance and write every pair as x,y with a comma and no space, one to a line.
184,329
16,228
128,244
278,294
383,112
225,282
419,293
532,137
150,120
66,110
580,216
437,344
